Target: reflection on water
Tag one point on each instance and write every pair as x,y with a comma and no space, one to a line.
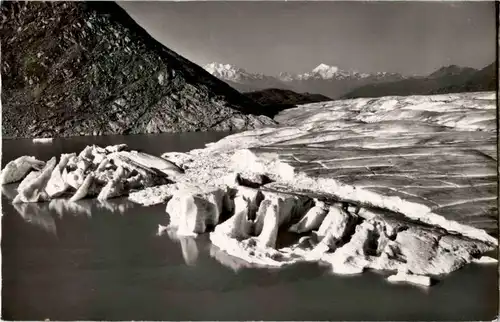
41,213
155,144
117,205
101,266
37,214
188,244
227,260
189,250
65,207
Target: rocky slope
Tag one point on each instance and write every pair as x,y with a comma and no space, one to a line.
275,100
482,80
86,68
450,79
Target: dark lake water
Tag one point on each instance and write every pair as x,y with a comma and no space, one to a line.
106,262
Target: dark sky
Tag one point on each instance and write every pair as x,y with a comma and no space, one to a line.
270,37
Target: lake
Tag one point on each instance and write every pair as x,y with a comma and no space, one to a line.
106,262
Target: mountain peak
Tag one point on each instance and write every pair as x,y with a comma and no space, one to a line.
219,65
214,66
226,71
286,76
325,71
325,67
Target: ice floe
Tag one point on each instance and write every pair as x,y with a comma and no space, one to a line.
42,140
410,278
485,260
17,169
95,172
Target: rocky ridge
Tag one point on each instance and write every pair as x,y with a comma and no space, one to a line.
275,100
449,79
87,68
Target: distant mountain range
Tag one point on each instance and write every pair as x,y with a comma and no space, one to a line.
242,80
450,79
330,81
335,82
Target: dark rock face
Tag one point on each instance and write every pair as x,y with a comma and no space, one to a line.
282,96
253,85
86,68
480,81
275,100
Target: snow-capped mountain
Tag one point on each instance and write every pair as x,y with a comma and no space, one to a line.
334,81
326,72
286,77
323,71
230,72
243,80
331,81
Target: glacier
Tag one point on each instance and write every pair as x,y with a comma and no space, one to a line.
399,184
405,185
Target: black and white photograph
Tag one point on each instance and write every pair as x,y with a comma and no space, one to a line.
249,160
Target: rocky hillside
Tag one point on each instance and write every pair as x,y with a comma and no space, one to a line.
86,68
275,100
480,81
282,96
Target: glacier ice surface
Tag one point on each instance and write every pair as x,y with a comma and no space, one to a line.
389,186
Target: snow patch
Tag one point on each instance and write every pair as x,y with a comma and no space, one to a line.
410,278
42,140
485,260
